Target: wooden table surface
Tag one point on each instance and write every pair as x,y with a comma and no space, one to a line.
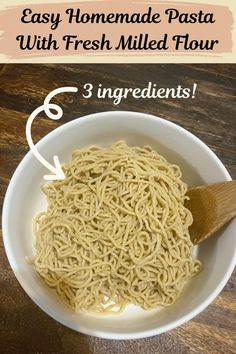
211,116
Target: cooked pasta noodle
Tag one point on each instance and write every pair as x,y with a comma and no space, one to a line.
115,231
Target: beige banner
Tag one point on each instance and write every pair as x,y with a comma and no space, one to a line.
161,41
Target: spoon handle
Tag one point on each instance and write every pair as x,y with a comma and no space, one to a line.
224,195
211,206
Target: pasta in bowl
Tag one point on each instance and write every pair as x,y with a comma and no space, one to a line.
121,268
116,231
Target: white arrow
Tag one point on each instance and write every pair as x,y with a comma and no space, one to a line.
46,107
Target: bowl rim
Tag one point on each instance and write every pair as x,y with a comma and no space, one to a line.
121,335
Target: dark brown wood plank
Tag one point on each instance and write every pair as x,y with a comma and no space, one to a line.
24,328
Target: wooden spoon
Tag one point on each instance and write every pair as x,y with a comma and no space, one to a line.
212,206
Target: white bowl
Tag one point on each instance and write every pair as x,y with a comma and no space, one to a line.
24,199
